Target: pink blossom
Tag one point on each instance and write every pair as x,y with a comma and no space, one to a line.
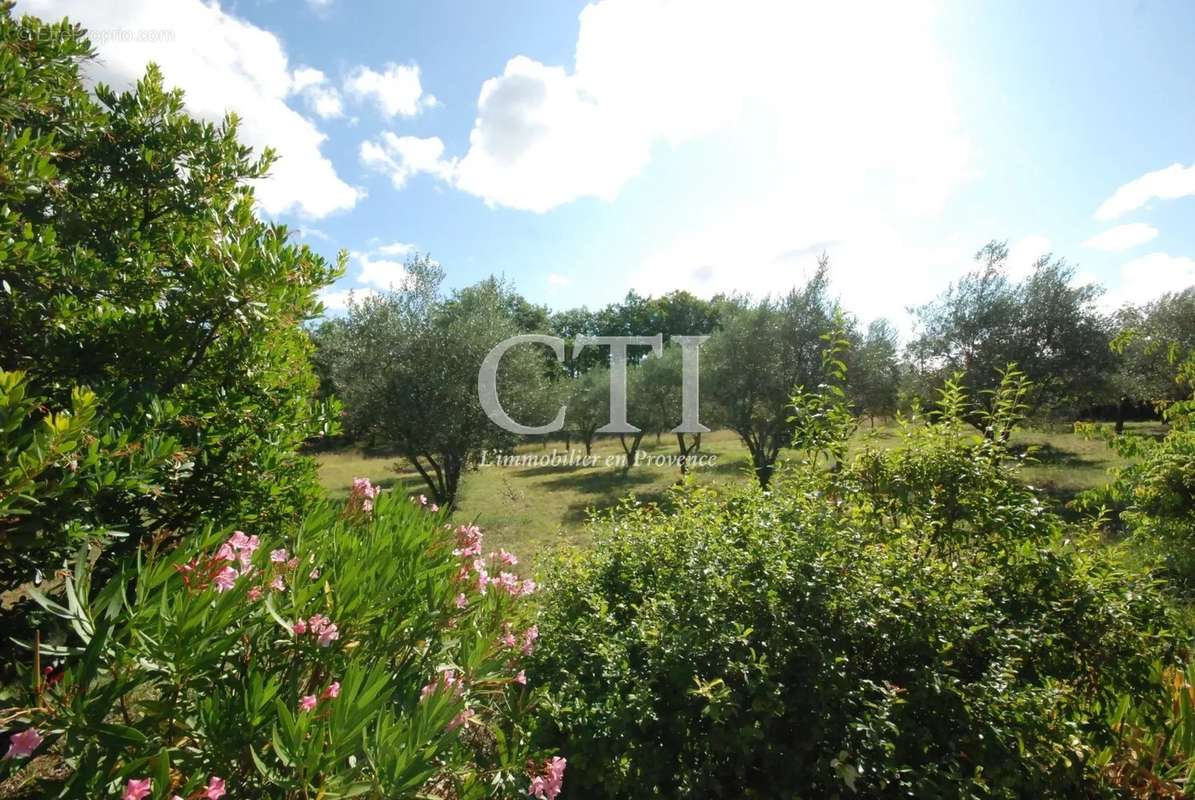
468,541
293,563
278,585
226,553
299,628
461,718
214,790
433,508
506,558
332,691
521,678
255,593
362,495
225,579
507,639
22,744
308,702
137,788
529,637
547,785
314,574
279,556
328,635
238,540
462,601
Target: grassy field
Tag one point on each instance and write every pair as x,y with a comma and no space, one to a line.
527,508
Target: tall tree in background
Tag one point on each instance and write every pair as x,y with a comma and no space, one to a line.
588,404
406,365
874,377
1045,324
762,352
1151,339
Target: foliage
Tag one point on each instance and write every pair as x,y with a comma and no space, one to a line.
859,632
353,657
405,364
762,352
875,372
1044,323
588,404
1153,497
147,315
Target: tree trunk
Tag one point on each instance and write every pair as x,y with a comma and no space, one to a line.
1120,412
632,450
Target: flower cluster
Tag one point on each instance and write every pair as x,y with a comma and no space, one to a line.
318,626
548,782
447,680
423,502
469,545
525,642
362,495
139,788
308,702
234,560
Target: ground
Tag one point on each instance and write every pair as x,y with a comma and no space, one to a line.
528,508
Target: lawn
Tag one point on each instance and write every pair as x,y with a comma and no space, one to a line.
528,508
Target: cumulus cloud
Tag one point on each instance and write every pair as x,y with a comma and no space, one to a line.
1122,237
401,157
321,97
223,63
1024,254
1149,276
400,249
1173,182
558,280
848,92
341,299
396,90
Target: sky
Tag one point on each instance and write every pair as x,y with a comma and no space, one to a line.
584,150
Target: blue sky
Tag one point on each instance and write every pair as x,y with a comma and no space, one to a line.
585,150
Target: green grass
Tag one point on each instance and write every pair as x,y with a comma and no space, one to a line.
528,508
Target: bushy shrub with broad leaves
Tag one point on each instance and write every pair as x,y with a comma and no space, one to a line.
370,652
908,623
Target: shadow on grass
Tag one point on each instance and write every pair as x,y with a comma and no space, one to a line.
1047,455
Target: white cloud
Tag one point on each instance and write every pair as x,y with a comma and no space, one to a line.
843,100
340,299
320,95
557,280
1165,184
1149,276
396,249
395,91
401,157
223,63
383,273
1122,237
1024,255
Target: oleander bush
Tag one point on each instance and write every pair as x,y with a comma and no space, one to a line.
370,652
909,623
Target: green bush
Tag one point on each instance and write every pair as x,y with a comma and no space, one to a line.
356,656
135,273
863,631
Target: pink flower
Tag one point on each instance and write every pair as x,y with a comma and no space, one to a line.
422,500
226,579
255,593
328,635
279,556
22,744
215,789
332,691
547,785
308,702
468,541
521,678
462,601
278,585
461,718
362,495
137,788
529,637
507,639
226,553
294,562
528,587
238,540
314,574
508,559
299,628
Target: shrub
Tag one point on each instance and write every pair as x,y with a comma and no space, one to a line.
365,654
830,640
134,272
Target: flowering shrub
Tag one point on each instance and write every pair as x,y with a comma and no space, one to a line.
369,654
859,631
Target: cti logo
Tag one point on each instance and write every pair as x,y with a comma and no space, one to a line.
487,380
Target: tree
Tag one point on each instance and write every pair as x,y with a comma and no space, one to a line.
763,352
589,404
134,271
1150,339
661,386
1045,324
874,377
406,365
